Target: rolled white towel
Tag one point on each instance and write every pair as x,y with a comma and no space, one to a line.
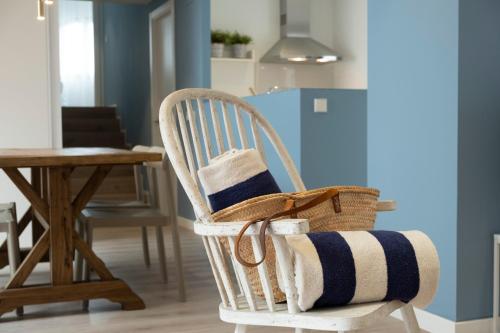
346,267
235,176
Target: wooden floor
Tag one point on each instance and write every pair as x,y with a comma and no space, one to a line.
121,250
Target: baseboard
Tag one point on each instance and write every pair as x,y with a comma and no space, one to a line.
185,223
475,326
436,324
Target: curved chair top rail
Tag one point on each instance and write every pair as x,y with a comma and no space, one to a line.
193,134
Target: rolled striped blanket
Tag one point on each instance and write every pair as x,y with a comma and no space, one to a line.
346,267
235,176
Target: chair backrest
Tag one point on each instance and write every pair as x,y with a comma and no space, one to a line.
193,134
160,183
138,175
7,212
161,190
7,216
198,125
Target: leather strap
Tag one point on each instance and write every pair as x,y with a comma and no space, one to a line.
332,194
289,204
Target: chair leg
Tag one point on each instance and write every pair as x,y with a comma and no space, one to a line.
496,281
89,235
181,286
145,246
240,329
160,244
409,318
14,253
78,255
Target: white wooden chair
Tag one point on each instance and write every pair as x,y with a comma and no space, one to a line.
158,213
188,135
8,225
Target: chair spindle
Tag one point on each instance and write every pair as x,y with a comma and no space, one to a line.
245,283
241,127
193,126
204,129
218,132
263,274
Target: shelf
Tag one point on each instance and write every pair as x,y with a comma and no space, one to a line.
233,59
249,59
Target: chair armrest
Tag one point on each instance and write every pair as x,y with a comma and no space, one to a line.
281,227
386,205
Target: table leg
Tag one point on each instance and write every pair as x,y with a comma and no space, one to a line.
39,182
61,227
60,237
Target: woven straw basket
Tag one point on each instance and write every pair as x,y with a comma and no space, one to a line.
358,206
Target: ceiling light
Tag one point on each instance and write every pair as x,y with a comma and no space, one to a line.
297,59
327,59
49,2
41,11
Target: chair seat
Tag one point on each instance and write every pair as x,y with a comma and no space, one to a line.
6,213
116,204
120,217
344,318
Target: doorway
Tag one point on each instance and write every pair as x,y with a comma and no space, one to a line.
162,62
76,53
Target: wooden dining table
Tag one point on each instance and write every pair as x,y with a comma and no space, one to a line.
52,214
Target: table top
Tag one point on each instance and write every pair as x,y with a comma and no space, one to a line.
25,158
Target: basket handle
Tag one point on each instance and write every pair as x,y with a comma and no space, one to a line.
331,194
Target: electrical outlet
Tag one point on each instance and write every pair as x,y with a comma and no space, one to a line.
320,105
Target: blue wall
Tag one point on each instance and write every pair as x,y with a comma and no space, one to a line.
334,143
126,58
478,155
413,124
282,110
192,56
125,43
327,148
192,43
126,63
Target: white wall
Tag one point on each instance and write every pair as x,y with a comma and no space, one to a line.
25,119
340,24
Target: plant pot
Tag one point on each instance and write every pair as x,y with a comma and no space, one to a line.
240,50
217,50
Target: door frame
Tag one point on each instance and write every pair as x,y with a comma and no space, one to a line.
167,8
53,75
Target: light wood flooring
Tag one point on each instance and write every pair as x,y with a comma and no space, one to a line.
121,250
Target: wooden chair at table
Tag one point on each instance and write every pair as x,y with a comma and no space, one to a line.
8,224
141,201
182,118
160,212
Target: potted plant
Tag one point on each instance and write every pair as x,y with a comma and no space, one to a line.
239,43
219,38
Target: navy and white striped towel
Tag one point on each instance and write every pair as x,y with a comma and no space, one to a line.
235,176
346,267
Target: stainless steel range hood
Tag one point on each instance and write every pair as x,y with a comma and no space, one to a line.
296,45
